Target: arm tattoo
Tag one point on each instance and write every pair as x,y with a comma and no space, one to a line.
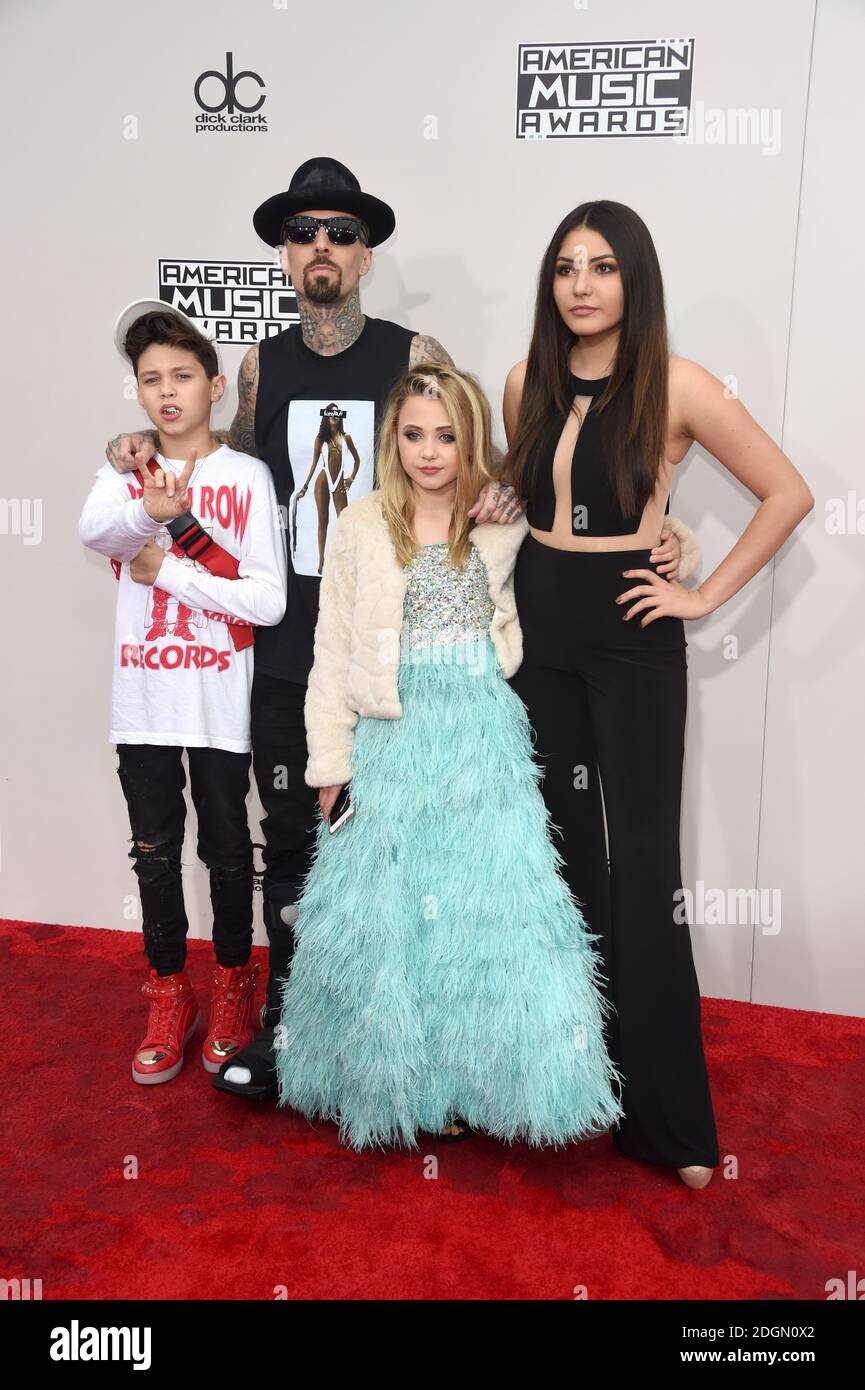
512,504
497,466
426,349
241,435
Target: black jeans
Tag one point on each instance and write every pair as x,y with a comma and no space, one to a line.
607,702
279,757
153,778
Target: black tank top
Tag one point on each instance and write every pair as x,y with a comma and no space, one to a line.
596,511
316,419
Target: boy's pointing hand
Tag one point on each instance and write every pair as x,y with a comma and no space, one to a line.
165,496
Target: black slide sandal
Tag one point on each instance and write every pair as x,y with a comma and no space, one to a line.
258,1058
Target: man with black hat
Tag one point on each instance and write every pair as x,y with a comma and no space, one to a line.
309,397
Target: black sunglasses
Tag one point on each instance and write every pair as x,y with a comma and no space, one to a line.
302,230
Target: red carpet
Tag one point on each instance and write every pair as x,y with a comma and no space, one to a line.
234,1199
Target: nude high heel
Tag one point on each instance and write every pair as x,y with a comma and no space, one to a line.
695,1175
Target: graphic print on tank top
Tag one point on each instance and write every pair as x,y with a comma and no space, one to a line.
330,443
295,385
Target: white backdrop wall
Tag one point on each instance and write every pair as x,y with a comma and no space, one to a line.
755,227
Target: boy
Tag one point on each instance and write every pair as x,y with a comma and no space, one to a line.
188,601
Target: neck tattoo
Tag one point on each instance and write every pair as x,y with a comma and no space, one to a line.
331,328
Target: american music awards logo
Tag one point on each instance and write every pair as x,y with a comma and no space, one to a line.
230,102
626,87
231,301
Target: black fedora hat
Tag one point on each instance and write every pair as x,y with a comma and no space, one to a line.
323,183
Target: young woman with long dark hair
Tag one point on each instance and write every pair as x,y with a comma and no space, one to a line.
598,417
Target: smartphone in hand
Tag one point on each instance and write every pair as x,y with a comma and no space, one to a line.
342,810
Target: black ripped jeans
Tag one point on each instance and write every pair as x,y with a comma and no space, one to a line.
153,778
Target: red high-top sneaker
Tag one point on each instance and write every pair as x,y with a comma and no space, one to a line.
231,1010
174,1017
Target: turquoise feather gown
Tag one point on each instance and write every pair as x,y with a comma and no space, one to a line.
442,965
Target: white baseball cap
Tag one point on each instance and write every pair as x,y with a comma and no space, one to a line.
133,311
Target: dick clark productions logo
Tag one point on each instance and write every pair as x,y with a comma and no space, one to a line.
230,101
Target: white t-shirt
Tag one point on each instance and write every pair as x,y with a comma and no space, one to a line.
178,678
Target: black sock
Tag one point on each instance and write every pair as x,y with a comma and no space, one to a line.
280,938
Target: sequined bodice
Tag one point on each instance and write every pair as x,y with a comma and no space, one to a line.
444,604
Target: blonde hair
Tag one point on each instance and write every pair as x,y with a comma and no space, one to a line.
468,411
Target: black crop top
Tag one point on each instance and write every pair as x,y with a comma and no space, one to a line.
596,510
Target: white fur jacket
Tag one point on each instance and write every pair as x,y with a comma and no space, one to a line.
357,637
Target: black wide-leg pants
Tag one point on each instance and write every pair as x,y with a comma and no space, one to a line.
607,701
